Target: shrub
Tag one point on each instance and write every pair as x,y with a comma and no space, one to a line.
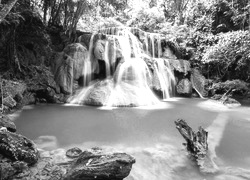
230,57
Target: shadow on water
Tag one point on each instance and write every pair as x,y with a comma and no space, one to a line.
148,133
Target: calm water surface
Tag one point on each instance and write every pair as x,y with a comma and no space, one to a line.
149,134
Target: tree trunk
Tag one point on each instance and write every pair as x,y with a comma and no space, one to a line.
197,146
6,9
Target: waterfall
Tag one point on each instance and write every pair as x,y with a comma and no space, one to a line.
88,65
128,77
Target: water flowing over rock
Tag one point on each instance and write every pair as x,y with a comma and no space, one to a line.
97,164
130,59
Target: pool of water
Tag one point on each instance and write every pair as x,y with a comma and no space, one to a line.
149,134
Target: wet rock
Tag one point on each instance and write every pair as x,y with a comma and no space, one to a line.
199,82
15,89
99,93
6,122
97,164
168,53
99,49
68,66
17,147
184,87
41,87
73,152
85,39
9,102
8,168
44,170
181,66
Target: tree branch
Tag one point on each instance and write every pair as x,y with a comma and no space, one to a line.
6,9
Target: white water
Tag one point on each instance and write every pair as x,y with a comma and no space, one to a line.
132,75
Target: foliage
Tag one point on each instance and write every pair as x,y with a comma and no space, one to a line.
230,57
147,19
240,87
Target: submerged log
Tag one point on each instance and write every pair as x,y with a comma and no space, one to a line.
197,146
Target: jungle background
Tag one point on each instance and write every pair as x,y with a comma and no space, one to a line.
212,35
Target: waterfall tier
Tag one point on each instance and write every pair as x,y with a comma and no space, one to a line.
130,65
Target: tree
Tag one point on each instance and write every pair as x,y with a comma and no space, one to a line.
6,9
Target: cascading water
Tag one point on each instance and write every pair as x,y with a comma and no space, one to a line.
129,82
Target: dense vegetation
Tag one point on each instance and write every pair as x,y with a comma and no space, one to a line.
212,35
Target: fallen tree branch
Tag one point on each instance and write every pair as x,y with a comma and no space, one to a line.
197,146
6,9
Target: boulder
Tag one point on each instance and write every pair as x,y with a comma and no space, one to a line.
6,122
85,38
68,66
97,164
8,168
78,53
99,49
184,87
99,94
41,87
17,147
73,152
180,66
9,102
198,82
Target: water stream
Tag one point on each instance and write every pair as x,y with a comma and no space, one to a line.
149,134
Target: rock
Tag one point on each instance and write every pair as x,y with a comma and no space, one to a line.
99,94
85,39
14,88
68,66
97,164
181,66
9,102
9,168
184,87
41,86
198,82
17,147
6,122
99,49
73,152
78,53
168,53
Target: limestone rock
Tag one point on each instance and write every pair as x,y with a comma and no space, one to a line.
68,66
181,66
184,87
97,164
41,87
73,152
85,39
8,168
198,82
9,102
6,122
99,93
99,49
18,147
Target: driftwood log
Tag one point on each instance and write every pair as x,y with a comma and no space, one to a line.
197,146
